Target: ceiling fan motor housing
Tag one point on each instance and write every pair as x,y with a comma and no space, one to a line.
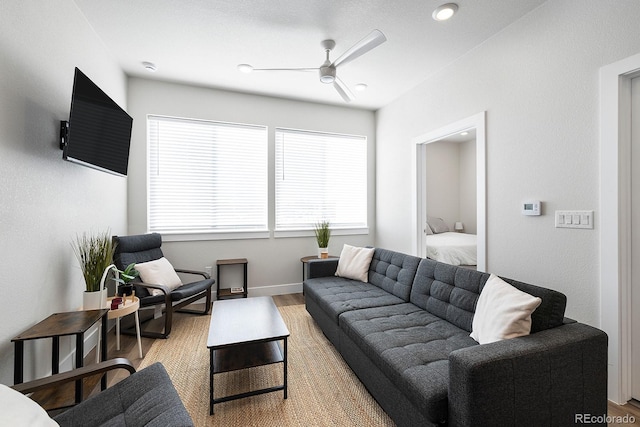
327,74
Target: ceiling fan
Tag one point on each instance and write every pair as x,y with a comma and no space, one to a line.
328,69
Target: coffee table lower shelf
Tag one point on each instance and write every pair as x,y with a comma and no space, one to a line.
244,356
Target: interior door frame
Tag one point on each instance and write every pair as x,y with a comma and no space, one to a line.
419,210
615,221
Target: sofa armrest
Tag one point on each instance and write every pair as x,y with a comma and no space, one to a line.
552,377
321,267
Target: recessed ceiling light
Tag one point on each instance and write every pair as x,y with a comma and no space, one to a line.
245,68
361,87
149,66
464,133
444,12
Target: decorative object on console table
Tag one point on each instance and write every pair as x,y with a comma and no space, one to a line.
459,227
236,291
323,234
94,253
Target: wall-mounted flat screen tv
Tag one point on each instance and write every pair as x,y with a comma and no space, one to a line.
99,131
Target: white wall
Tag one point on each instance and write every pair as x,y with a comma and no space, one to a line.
274,263
451,182
45,200
538,82
442,166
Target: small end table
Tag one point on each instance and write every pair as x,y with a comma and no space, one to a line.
130,304
223,293
58,325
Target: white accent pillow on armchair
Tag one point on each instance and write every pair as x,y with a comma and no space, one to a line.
159,272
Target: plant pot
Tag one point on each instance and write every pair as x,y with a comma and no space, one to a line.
125,290
94,300
323,253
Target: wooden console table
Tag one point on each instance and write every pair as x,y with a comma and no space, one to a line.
58,325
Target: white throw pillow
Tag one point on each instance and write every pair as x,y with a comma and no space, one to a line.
159,272
20,411
502,312
354,263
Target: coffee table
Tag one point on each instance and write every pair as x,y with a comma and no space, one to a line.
244,333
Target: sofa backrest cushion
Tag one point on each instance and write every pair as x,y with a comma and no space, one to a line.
393,271
451,293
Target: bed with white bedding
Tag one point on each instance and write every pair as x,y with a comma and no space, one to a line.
453,248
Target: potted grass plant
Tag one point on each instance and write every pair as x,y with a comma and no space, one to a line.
95,254
323,234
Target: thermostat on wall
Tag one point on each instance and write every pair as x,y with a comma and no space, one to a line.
531,208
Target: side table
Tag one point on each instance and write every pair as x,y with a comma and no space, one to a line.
130,304
58,325
230,292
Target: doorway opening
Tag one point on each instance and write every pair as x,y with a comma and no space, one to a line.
474,124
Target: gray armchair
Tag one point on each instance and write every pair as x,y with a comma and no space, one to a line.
145,398
147,247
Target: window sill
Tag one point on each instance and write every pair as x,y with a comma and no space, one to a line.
310,233
222,235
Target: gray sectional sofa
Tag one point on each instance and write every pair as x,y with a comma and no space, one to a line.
405,334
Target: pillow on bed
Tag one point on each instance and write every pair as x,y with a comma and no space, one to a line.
437,225
428,230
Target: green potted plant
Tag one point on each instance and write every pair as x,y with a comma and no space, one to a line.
323,233
124,278
95,254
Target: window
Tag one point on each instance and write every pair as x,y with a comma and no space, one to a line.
320,176
206,177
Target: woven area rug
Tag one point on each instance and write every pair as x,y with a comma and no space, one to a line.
322,388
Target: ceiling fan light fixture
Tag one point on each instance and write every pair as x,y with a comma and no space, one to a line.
245,68
445,11
360,87
327,74
149,66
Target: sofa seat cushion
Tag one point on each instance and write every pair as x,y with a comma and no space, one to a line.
337,295
411,347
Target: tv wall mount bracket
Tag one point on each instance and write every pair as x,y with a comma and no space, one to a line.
64,133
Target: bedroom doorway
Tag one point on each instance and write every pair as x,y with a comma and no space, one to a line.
635,238
444,140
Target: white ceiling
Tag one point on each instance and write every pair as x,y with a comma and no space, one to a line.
202,41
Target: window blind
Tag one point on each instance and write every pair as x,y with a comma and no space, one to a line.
206,176
320,176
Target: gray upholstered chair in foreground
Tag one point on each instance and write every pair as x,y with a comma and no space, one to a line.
145,398
146,248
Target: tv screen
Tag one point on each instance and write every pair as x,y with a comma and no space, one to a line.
99,130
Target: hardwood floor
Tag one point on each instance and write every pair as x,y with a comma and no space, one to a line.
129,350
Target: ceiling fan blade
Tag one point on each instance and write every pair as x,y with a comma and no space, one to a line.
343,90
374,39
286,69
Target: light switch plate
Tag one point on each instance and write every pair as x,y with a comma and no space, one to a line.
574,219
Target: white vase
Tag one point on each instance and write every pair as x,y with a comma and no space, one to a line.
323,253
94,300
